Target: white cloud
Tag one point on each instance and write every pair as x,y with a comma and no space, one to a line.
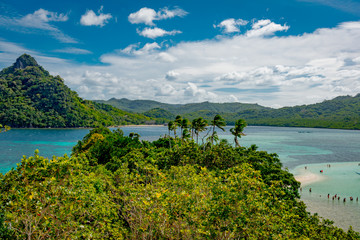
165,13
344,5
144,15
43,15
356,60
172,75
148,47
198,94
148,15
130,49
265,28
39,20
73,50
133,49
156,32
271,71
11,51
163,56
91,19
166,90
231,25
232,77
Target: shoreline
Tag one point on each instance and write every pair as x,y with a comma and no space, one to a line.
164,124
141,125
306,177
120,126
307,174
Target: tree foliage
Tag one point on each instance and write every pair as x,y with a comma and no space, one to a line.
341,112
237,131
31,97
119,187
4,128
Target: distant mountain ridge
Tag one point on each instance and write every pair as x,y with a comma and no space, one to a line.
31,97
341,112
142,106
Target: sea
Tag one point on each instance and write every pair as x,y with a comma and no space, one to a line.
331,154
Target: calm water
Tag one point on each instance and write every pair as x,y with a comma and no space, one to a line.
296,147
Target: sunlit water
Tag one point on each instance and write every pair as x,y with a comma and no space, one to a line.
297,147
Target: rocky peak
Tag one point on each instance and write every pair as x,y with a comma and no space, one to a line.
24,61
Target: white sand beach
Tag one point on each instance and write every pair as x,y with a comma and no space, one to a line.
305,177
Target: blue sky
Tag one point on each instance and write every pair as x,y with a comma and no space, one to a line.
275,53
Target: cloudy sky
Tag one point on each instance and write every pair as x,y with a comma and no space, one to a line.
275,53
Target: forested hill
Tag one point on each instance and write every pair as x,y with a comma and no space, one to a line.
144,106
341,112
31,97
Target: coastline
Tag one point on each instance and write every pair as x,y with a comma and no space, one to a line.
306,177
119,126
141,125
331,191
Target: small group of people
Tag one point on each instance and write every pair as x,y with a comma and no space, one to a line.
344,200
335,196
327,165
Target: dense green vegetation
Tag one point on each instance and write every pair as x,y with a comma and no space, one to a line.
31,97
4,128
161,115
341,112
119,187
141,106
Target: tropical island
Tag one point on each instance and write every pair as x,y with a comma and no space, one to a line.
120,187
31,97
189,184
341,112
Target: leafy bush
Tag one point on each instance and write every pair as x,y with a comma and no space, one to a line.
115,187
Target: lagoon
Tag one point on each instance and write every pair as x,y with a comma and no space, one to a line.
296,147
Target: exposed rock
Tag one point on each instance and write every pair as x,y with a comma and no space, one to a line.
24,61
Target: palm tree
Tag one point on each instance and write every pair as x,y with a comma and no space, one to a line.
177,123
185,124
193,126
172,127
135,136
237,131
185,134
219,122
199,125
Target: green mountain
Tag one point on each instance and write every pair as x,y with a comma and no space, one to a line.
342,112
137,106
31,97
144,106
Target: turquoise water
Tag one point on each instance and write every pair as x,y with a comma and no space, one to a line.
52,142
341,180
296,148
